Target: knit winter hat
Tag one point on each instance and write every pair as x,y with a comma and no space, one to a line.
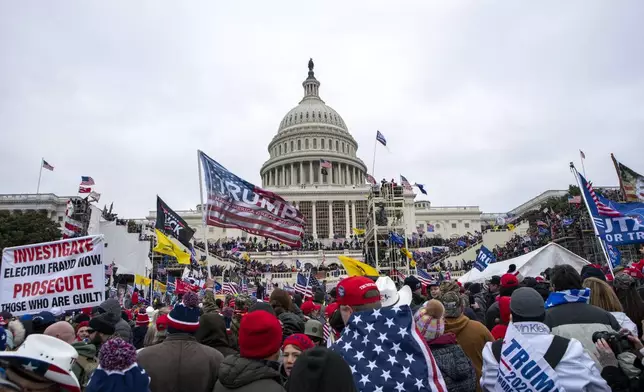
429,319
184,317
103,323
81,325
623,281
300,341
452,303
118,370
142,320
162,322
260,335
321,370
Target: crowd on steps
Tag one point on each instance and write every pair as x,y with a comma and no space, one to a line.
562,330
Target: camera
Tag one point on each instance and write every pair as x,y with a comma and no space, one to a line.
618,343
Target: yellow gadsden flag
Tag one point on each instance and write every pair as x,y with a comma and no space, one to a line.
407,253
142,280
511,227
357,231
167,247
357,268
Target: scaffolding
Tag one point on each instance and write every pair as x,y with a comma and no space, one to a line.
386,214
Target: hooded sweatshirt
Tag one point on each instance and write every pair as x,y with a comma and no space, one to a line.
112,307
212,332
471,336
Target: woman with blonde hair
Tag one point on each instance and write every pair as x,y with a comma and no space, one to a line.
603,296
154,334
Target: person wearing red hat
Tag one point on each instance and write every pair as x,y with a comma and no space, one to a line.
139,331
292,348
357,294
310,309
509,282
255,368
82,331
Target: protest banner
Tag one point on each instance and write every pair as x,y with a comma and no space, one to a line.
68,274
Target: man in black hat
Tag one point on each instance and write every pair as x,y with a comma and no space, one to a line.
417,300
493,287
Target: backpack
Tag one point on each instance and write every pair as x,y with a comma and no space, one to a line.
553,355
87,367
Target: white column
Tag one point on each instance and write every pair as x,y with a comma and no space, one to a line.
283,175
315,218
347,178
346,217
292,174
311,176
353,213
302,173
330,219
270,177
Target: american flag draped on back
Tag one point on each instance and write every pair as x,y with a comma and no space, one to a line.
386,353
236,203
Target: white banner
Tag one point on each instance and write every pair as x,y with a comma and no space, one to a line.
67,274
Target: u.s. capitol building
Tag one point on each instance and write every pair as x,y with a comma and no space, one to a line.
336,202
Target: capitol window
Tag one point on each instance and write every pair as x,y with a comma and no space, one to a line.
330,144
337,146
438,225
467,225
315,143
343,147
291,145
280,150
306,144
453,225
299,144
322,144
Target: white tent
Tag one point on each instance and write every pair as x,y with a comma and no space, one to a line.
529,264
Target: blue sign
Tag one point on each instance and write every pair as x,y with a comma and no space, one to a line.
484,258
614,255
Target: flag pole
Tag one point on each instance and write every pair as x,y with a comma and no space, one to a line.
373,165
39,176
203,216
583,195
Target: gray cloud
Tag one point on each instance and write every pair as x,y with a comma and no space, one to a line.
483,102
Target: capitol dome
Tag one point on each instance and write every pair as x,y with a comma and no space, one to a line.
313,146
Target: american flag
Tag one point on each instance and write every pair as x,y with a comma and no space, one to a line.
386,353
45,370
397,274
371,180
236,203
602,207
381,138
327,331
574,199
47,166
325,164
425,278
83,189
72,228
230,288
405,183
86,180
303,285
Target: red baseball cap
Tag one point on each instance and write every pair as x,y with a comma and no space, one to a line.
351,291
308,306
330,309
509,280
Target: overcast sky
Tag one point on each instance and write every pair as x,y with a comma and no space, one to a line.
484,102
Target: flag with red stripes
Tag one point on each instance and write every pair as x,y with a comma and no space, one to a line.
602,208
236,203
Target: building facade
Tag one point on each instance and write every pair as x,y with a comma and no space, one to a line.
53,205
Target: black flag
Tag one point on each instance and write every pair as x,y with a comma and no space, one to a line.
172,224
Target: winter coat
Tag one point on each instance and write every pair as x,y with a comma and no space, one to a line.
180,363
247,375
417,301
212,333
209,304
456,367
138,336
493,312
472,337
580,320
575,372
86,363
123,330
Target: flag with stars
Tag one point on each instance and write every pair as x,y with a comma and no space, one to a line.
65,379
238,204
386,353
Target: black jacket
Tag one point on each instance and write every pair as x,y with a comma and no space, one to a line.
248,375
212,332
138,336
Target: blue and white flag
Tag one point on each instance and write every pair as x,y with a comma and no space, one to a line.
617,223
483,259
396,238
614,255
381,138
386,352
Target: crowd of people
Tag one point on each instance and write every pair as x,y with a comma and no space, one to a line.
580,329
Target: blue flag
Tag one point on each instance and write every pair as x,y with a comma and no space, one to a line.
617,223
567,221
386,352
397,239
614,255
381,138
421,188
483,259
461,243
